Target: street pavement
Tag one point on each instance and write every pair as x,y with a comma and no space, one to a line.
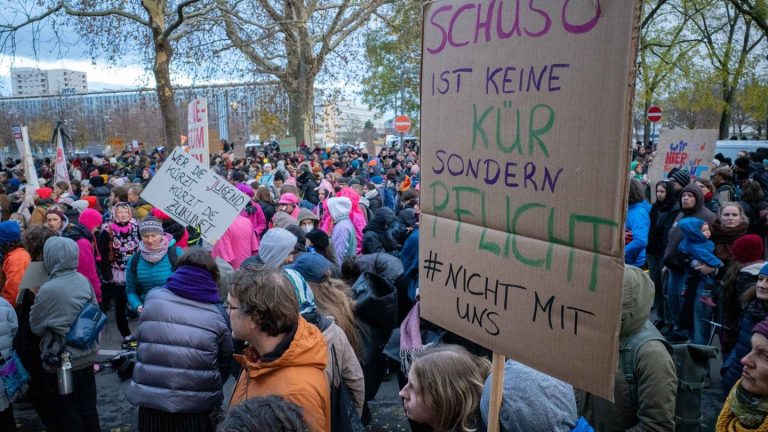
117,415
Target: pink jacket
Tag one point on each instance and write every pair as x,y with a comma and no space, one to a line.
238,242
357,217
86,265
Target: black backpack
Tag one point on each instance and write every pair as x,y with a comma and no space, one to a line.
691,367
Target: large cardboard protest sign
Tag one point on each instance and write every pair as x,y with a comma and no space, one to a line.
525,128
688,149
193,195
197,131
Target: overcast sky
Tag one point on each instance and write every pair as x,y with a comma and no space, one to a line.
67,51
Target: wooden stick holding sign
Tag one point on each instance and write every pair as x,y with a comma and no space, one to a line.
497,391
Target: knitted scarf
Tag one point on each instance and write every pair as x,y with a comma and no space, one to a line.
157,253
194,283
726,236
743,412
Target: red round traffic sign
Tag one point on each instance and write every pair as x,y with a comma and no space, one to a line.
654,114
402,123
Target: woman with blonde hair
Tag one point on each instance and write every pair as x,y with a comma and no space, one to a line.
333,297
444,388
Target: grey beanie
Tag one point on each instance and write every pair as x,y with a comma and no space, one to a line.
151,224
275,246
532,402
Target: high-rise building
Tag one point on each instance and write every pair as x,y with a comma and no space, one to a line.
50,82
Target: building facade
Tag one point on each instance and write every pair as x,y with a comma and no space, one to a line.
235,113
38,82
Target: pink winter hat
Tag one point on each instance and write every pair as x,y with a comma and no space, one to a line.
288,198
90,219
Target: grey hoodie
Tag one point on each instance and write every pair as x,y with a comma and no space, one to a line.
59,302
532,401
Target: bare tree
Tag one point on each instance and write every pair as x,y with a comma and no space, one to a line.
117,27
292,40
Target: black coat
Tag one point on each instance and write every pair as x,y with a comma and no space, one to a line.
662,218
375,300
308,186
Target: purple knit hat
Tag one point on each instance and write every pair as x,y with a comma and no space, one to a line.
761,328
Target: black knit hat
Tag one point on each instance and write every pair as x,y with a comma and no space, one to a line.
319,239
681,177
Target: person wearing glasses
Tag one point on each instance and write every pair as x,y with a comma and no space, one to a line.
184,350
287,355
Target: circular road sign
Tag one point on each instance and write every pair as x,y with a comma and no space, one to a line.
654,114
402,123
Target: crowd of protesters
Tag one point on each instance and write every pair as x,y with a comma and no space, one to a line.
310,298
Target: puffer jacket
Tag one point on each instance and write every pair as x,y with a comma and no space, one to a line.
638,222
183,344
9,325
298,375
755,312
655,372
59,302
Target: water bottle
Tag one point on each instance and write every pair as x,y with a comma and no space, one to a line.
64,373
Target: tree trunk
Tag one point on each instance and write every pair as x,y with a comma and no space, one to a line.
725,114
301,112
165,98
646,124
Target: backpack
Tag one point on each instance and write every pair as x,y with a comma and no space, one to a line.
134,262
691,366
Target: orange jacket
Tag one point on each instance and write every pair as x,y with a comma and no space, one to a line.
14,266
298,376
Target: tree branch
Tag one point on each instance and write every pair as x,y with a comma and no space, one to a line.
104,12
179,20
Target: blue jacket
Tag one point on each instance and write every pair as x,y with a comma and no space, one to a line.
695,244
147,276
639,222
